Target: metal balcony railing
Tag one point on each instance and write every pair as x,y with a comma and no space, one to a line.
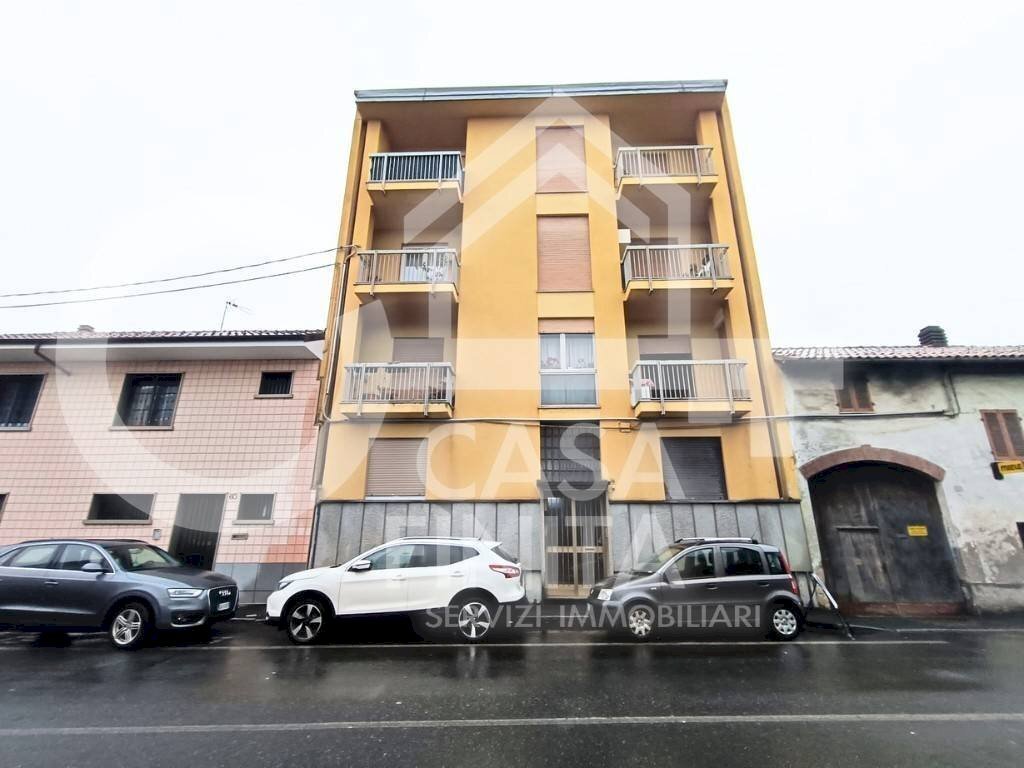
689,380
675,262
651,162
416,166
408,265
424,383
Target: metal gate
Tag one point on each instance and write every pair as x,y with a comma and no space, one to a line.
575,545
196,529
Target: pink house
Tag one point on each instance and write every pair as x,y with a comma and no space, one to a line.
200,442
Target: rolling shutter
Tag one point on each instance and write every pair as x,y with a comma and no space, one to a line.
396,467
409,349
561,163
693,468
563,253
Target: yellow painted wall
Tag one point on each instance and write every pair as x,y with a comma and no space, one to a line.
495,343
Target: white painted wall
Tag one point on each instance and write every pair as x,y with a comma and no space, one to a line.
981,513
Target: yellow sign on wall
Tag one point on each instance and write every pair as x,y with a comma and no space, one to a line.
917,530
1010,467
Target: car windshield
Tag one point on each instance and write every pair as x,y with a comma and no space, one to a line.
140,557
660,557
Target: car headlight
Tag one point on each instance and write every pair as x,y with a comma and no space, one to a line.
177,592
604,594
288,580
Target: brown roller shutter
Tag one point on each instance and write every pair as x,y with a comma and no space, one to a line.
566,325
561,164
396,467
693,468
563,253
411,349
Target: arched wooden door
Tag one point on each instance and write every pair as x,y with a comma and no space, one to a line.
884,546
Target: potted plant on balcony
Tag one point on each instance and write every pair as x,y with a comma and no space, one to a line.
646,388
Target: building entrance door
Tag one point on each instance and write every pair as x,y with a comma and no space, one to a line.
196,529
575,545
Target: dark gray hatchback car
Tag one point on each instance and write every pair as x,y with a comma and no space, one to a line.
703,584
124,587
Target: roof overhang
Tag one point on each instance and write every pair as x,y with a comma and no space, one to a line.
98,350
541,91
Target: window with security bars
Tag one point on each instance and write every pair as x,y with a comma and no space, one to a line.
568,375
275,383
148,399
570,453
854,396
18,396
1004,434
256,507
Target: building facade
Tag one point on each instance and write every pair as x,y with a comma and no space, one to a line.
546,327
910,467
201,443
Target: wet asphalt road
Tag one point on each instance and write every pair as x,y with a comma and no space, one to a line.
377,697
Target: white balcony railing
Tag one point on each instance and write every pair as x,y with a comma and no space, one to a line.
408,266
396,383
416,166
675,262
651,162
693,380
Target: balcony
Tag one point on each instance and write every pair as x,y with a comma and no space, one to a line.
694,388
425,185
399,389
676,267
684,164
408,270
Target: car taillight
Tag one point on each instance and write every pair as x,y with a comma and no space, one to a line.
793,586
508,571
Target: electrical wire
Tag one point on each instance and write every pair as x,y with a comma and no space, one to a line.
166,290
171,279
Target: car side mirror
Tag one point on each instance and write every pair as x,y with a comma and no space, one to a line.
93,568
361,565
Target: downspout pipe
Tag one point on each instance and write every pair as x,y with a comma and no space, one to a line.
38,352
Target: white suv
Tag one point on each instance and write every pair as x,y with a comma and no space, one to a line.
413,574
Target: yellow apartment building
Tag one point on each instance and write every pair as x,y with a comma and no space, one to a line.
546,328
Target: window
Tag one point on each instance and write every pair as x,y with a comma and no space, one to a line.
75,556
256,507
275,383
1004,434
139,557
399,556
570,453
567,368
418,349
699,564
854,396
120,508
38,556
3,500
148,400
563,253
18,396
775,563
693,468
396,467
561,160
742,561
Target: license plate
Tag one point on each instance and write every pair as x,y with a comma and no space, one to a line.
223,607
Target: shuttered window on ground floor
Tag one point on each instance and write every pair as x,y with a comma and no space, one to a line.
396,466
693,468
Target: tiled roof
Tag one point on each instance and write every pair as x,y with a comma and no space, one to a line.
784,354
138,337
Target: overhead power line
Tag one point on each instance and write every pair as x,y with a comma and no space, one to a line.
167,290
167,279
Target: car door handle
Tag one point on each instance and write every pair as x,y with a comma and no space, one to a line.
764,584
51,583
398,578
711,586
456,575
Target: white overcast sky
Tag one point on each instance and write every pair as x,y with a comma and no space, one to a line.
880,144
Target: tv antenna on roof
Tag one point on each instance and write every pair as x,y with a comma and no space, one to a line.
230,304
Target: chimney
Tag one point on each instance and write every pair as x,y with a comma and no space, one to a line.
932,336
85,328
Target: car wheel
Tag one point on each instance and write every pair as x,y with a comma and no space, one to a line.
783,622
130,626
306,621
474,619
640,621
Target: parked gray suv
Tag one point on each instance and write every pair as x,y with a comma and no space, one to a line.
703,584
126,588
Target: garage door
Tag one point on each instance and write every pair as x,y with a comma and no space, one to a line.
884,546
